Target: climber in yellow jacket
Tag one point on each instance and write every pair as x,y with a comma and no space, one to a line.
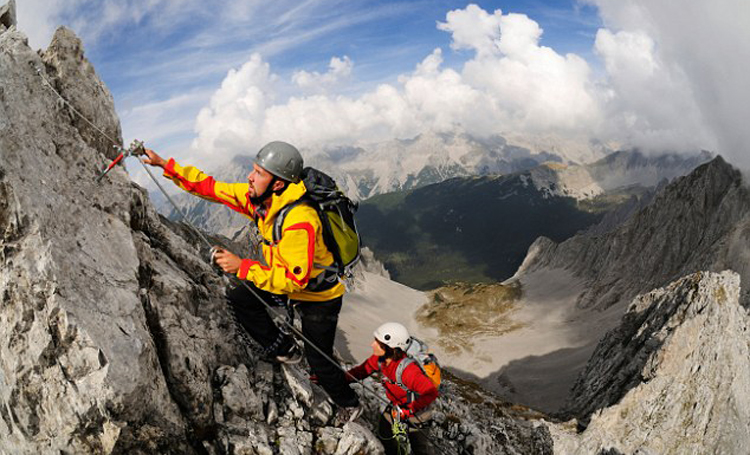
289,270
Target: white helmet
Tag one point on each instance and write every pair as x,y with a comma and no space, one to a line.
393,334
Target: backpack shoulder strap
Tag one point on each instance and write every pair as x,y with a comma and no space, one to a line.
405,362
329,277
278,223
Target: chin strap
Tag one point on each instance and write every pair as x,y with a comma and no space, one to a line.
258,200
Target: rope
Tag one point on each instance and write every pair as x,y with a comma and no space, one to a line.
291,327
72,108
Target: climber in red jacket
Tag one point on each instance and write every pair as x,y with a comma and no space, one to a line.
410,399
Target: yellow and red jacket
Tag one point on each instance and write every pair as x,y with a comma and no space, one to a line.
289,263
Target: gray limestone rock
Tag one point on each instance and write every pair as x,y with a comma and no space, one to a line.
73,351
112,323
71,74
328,440
299,384
674,377
238,394
356,439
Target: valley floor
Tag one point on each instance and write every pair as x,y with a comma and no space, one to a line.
534,365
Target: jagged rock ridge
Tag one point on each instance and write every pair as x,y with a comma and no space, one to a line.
91,293
698,222
115,336
673,377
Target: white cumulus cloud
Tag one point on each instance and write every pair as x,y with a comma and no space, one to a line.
339,70
653,93
230,123
510,84
473,28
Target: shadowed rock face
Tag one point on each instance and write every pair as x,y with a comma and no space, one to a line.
673,377
698,222
8,14
114,333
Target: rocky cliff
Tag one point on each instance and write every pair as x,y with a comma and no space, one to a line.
8,15
698,222
106,341
672,378
114,335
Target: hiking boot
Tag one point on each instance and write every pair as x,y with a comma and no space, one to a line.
346,415
289,355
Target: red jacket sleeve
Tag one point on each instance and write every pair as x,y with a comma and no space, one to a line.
415,380
367,368
194,181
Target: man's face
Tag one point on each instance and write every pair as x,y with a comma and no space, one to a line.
259,180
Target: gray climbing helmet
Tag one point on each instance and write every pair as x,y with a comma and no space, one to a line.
281,159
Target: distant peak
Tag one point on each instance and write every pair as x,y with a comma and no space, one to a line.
243,160
719,165
719,161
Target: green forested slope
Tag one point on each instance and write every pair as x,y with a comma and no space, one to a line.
465,229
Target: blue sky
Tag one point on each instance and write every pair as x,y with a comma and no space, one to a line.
205,79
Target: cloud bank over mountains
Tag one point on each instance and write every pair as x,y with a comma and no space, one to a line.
661,87
699,49
511,84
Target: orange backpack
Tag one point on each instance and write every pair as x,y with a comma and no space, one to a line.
418,352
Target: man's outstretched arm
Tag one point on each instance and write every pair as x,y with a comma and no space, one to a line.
194,181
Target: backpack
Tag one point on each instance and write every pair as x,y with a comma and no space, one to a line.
418,352
340,235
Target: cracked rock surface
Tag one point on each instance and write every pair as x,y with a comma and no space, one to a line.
672,378
114,331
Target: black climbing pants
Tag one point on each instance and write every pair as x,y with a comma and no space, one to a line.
418,440
319,320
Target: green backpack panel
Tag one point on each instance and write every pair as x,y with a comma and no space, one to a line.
336,212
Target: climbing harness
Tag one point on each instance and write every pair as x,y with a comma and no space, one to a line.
137,149
400,432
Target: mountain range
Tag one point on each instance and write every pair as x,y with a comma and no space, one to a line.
404,164
390,166
479,229
577,290
115,336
